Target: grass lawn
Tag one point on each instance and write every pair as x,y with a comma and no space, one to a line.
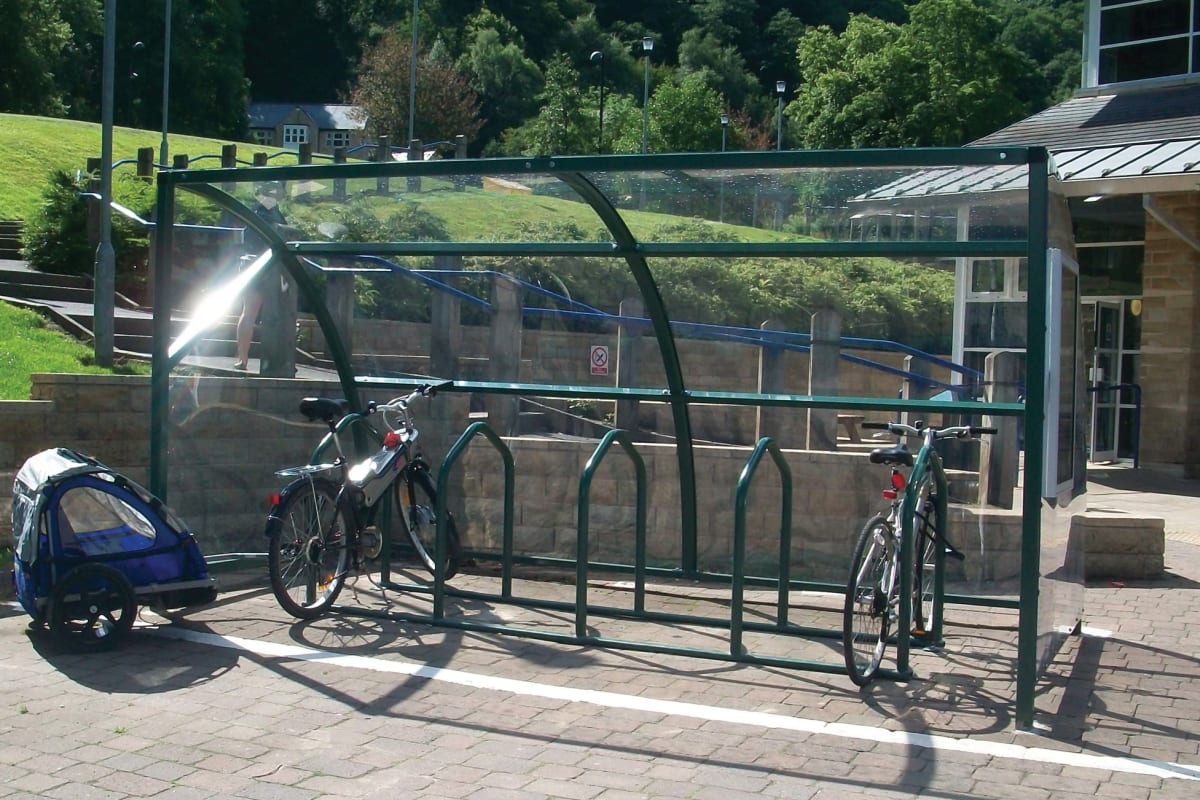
32,147
28,344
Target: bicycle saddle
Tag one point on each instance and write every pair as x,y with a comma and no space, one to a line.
897,454
323,408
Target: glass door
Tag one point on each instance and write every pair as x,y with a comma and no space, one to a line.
1105,372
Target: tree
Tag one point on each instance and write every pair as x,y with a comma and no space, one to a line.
506,80
684,117
41,41
445,103
560,127
721,66
944,78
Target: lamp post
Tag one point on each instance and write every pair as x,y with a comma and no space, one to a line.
597,57
647,48
724,129
412,76
780,88
104,273
162,148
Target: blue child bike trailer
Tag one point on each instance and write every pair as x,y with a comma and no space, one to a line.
91,544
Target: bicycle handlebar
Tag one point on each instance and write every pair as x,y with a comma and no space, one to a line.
401,403
920,429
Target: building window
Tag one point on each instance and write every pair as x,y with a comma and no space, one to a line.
294,135
263,136
1133,40
337,139
998,279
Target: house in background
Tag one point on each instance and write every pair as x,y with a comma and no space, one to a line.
289,125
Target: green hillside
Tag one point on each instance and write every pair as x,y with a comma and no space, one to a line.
32,147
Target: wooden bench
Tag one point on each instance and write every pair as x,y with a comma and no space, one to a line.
850,422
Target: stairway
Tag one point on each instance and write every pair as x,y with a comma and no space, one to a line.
10,239
68,300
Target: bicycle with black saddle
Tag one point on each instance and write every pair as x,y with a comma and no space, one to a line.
326,522
873,593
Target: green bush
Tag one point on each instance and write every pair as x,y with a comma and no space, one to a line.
56,236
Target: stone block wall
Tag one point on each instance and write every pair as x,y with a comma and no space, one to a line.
229,435
1170,366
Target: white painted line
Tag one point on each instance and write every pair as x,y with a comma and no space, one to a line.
1160,769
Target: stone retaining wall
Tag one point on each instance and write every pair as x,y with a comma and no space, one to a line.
229,435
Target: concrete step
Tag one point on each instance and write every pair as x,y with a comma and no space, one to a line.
38,291
32,278
11,232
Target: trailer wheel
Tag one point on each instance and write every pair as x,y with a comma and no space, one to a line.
91,608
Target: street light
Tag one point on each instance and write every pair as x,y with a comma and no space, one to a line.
724,128
780,88
104,274
647,48
162,148
597,57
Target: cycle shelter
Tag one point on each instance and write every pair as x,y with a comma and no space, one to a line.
661,369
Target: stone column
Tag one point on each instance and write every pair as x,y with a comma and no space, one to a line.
1170,368
998,452
769,419
505,361
823,363
629,337
447,415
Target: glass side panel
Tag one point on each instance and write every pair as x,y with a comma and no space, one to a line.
564,349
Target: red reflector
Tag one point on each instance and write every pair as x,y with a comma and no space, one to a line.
889,494
898,482
391,441
273,499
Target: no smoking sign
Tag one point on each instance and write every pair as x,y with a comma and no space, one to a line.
599,359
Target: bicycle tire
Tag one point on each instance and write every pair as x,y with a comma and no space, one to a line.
416,507
308,553
870,590
924,566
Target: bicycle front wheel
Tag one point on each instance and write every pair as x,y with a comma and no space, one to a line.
925,566
308,551
870,593
416,506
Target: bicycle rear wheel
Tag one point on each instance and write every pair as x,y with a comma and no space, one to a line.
416,506
869,593
308,551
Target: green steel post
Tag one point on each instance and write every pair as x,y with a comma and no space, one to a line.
1035,365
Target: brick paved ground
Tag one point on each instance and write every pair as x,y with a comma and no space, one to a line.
236,700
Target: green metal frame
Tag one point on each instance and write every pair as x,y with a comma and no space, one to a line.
576,172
